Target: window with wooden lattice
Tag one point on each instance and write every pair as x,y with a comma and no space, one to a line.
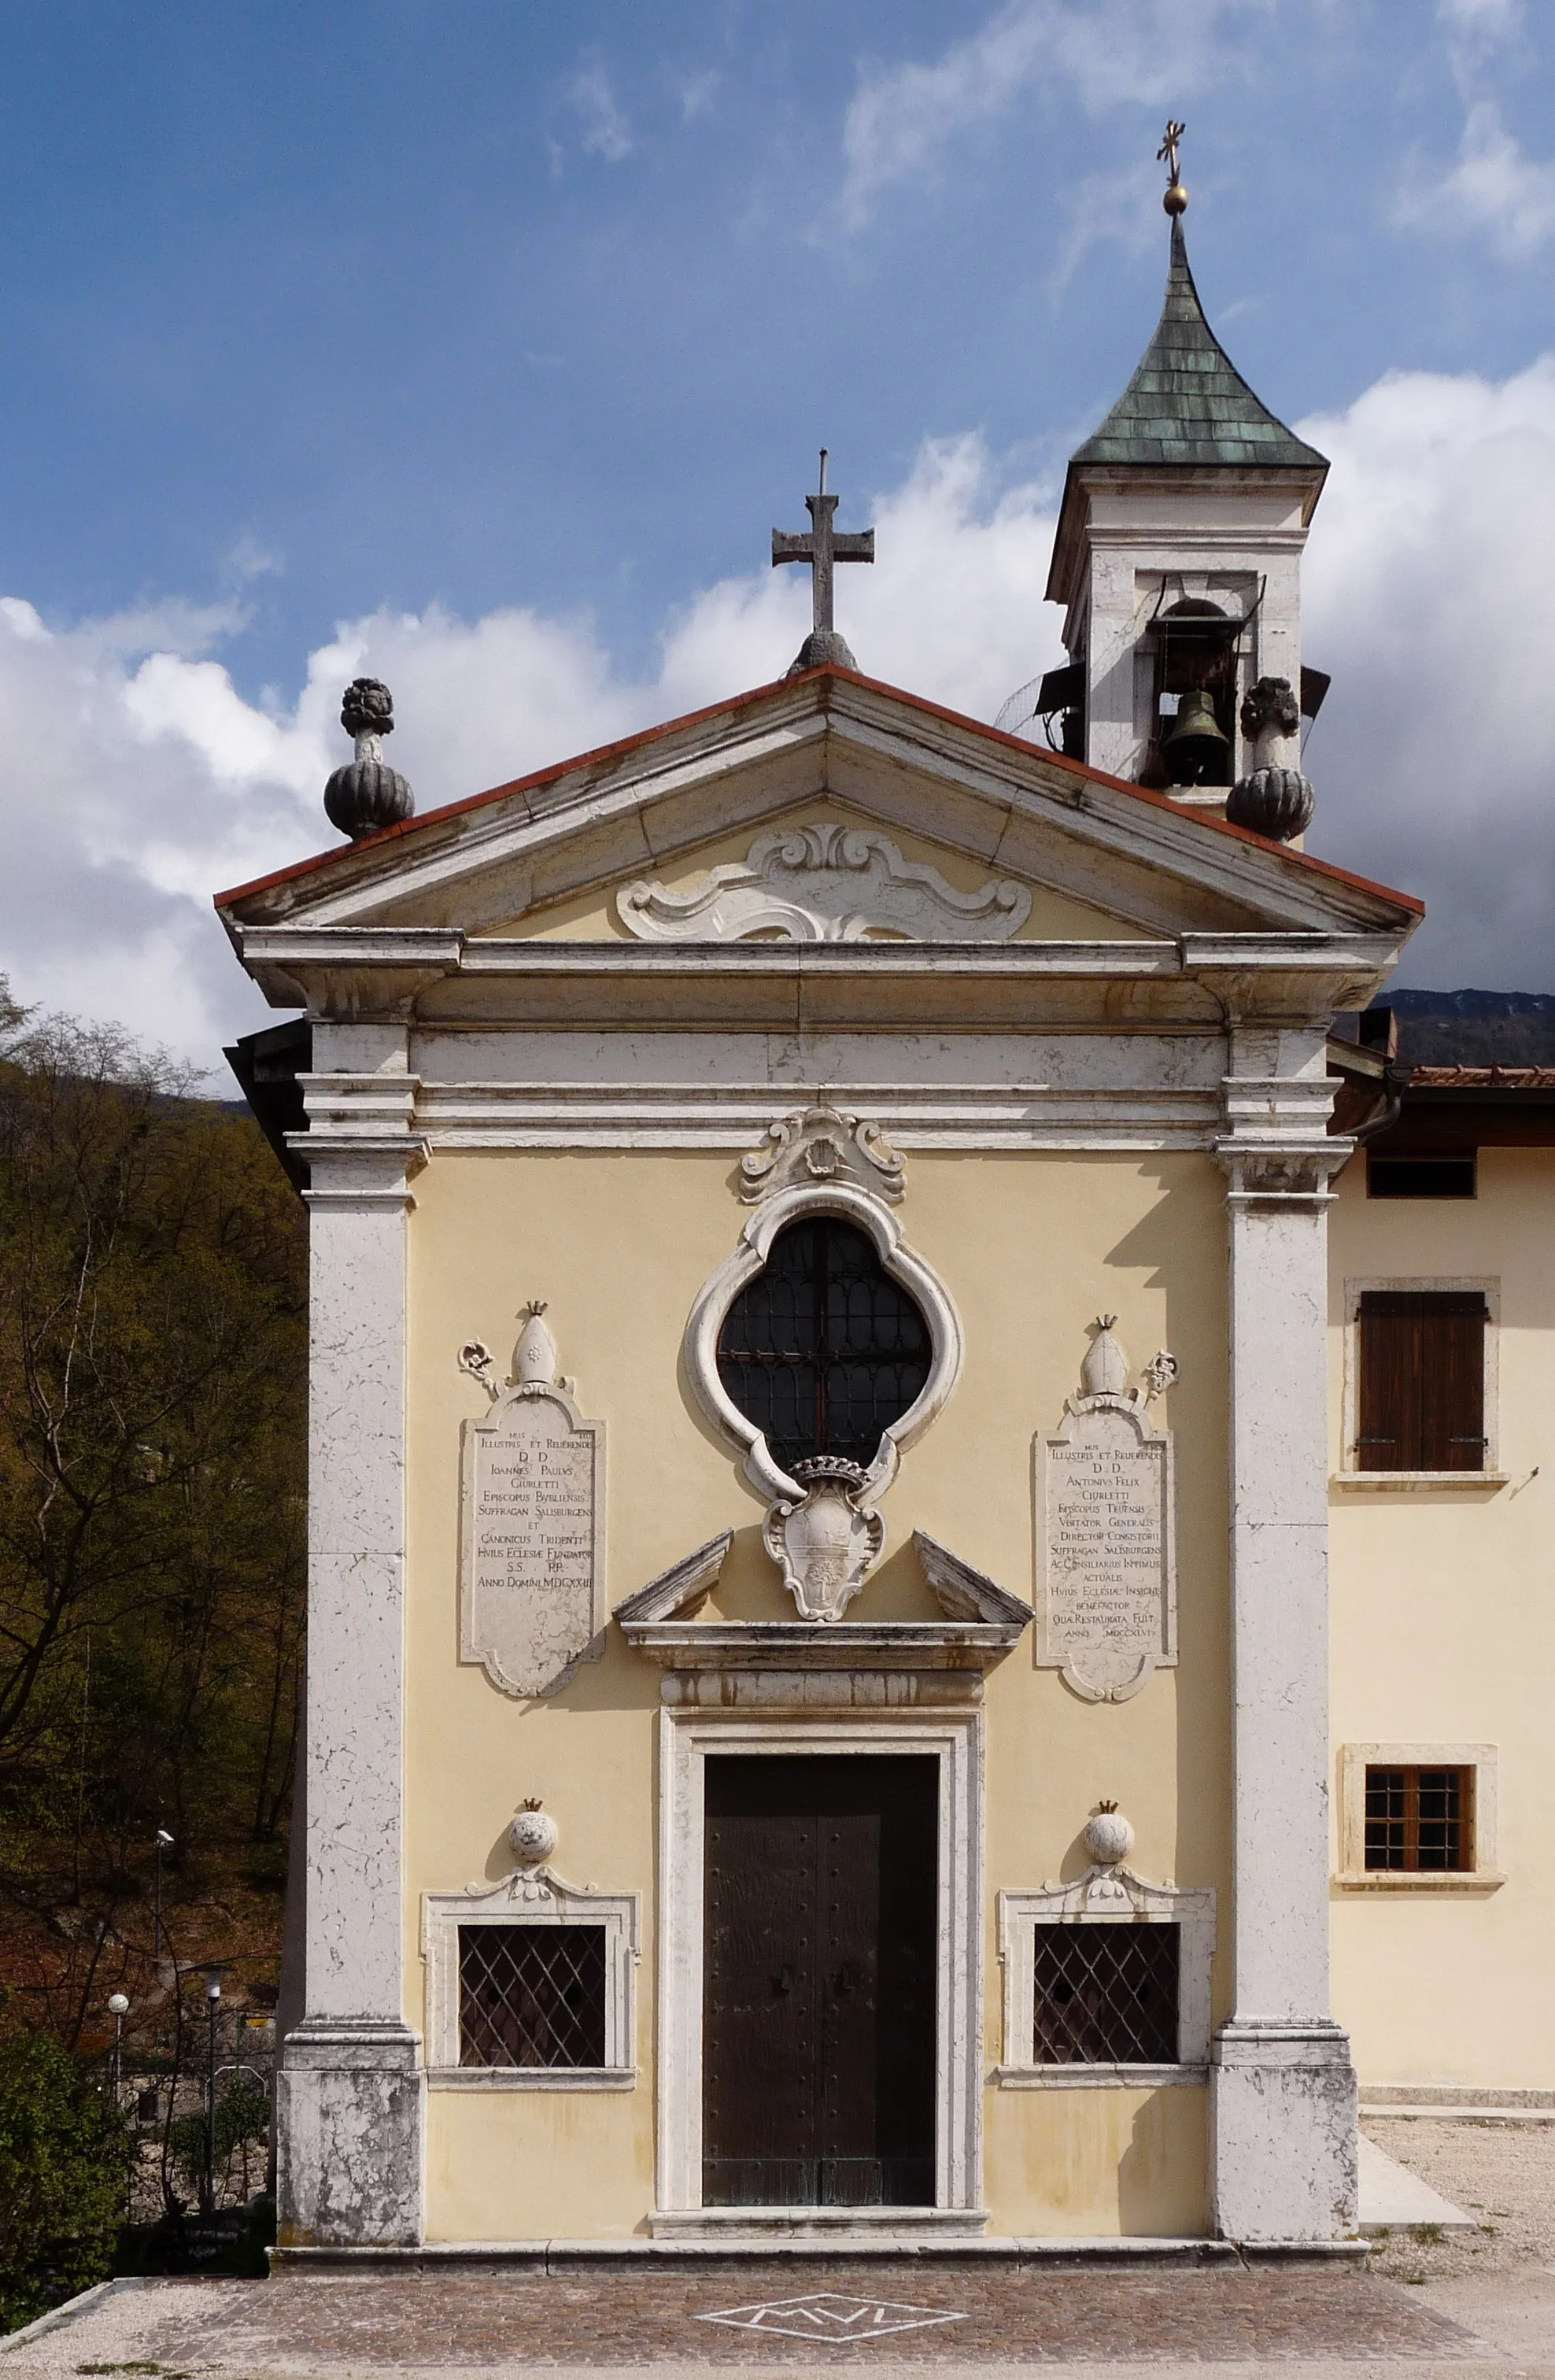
1105,1995
1419,1820
1422,1380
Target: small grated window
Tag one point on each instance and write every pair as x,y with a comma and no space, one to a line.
1420,1820
1420,1177
531,1995
1106,1995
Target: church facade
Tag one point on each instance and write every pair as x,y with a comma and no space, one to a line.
826,1381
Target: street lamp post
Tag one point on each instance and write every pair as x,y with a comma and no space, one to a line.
212,2009
164,1843
118,2008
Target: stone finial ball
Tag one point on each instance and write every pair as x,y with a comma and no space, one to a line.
1109,1838
532,1835
1275,803
367,707
367,796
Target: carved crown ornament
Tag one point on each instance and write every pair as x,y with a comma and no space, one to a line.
829,882
820,1145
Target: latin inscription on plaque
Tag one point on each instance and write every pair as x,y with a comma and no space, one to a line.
532,1559
1106,1583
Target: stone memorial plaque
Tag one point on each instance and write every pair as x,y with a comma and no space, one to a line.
1106,1570
531,1602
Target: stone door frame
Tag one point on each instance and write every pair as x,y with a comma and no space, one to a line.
685,1738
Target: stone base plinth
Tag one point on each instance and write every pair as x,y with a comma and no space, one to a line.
349,2137
1284,2154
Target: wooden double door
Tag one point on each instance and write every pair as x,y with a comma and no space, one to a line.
818,2015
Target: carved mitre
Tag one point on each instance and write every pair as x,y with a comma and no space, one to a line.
825,1545
820,1144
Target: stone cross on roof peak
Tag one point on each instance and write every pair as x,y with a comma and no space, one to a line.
822,546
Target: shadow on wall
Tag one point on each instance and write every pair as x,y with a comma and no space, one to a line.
1163,2174
1182,1241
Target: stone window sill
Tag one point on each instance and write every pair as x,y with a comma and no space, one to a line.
1094,2078
1421,1880
1419,1483
532,2078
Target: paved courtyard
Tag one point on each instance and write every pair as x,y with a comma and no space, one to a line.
1482,2303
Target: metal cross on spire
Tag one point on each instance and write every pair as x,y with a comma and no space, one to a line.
1176,197
823,547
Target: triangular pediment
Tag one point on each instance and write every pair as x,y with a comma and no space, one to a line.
957,833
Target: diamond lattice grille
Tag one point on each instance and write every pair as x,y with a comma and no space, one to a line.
531,1995
1106,1995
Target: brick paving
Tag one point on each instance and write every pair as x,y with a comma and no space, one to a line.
611,2315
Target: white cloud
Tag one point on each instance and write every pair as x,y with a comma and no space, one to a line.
904,118
1493,189
136,779
1475,28
698,91
1428,595
607,130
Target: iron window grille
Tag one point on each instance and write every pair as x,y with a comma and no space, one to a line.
1106,1995
824,1351
1419,1821
532,1995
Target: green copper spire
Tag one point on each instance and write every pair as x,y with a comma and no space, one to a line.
1187,403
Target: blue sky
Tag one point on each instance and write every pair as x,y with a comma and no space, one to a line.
463,313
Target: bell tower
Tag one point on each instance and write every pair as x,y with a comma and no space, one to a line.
1178,562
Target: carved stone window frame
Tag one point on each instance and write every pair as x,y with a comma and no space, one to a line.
534,1898
700,1347
1104,1897
1351,1474
1353,1874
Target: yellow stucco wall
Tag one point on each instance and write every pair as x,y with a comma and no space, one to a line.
1030,1248
1055,916
1444,1634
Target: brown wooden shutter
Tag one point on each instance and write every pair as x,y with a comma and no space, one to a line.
1422,1402
1453,1382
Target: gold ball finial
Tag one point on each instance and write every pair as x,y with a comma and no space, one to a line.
1176,198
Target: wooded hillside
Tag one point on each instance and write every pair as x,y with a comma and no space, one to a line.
152,1367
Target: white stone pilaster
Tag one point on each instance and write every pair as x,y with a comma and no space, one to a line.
349,2094
1284,2090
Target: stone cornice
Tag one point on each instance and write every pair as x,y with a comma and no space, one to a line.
795,1645
380,971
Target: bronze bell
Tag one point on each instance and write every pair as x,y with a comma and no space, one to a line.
1196,752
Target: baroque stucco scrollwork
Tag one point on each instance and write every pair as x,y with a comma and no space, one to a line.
828,883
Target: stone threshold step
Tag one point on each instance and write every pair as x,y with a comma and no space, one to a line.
567,2254
1455,2112
1378,2096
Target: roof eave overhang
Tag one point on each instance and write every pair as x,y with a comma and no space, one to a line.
613,813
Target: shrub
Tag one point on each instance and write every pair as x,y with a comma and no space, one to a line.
61,2178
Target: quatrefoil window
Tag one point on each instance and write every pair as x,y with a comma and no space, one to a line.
823,1351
